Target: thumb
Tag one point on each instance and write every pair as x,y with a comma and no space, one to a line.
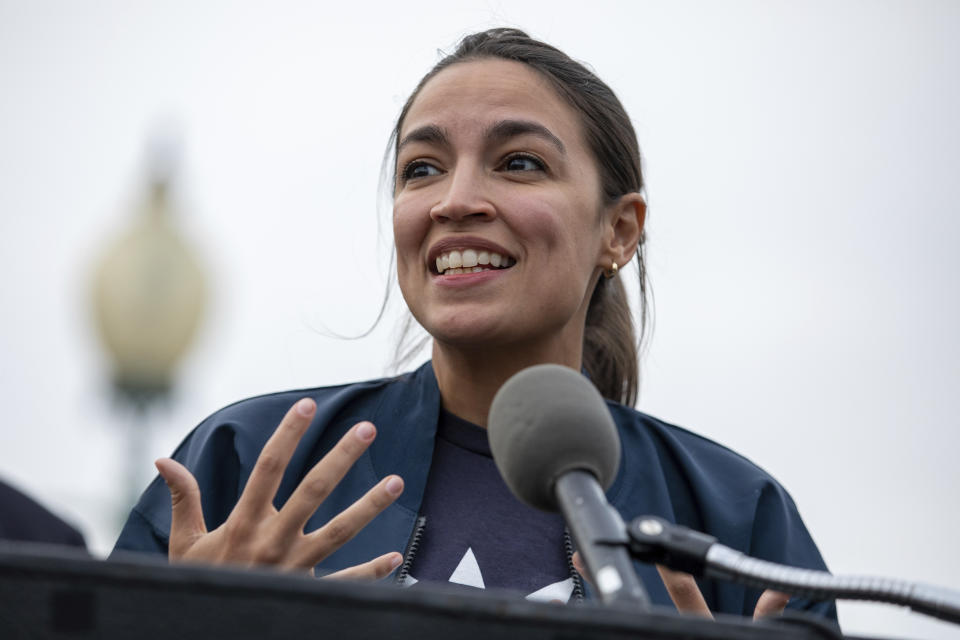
187,515
684,591
771,603
577,561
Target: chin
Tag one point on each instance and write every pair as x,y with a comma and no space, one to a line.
470,331
467,337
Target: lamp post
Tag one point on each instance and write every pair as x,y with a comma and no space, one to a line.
149,295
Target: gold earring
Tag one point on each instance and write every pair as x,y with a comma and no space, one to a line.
612,271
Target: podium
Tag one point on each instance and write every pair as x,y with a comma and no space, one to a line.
56,594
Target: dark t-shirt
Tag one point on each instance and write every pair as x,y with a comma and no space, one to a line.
476,533
24,520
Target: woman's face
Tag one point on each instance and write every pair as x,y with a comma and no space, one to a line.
495,180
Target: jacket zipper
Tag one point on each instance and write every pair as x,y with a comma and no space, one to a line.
413,544
577,595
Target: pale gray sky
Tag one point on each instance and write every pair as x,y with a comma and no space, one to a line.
802,163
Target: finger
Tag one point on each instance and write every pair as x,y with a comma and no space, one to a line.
580,567
273,459
346,524
186,522
376,569
684,592
771,603
324,476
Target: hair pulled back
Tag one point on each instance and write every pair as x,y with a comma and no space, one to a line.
610,344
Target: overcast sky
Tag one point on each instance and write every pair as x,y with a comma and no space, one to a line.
801,160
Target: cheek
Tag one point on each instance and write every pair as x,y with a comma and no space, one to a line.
565,227
409,230
538,221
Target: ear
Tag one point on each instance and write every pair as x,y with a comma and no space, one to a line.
624,229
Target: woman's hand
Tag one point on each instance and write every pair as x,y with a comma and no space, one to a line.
687,598
256,533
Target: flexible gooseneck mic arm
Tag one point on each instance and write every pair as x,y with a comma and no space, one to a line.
657,540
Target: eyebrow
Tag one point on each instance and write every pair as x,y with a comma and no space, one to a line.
430,133
506,129
499,132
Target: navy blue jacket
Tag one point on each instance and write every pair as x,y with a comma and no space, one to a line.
664,471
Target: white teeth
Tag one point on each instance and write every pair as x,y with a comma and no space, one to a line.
470,260
453,272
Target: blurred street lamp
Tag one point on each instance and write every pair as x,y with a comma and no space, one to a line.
149,295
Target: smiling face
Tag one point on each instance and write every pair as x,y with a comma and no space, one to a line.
498,220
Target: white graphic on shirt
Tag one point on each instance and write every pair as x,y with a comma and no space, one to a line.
557,591
468,571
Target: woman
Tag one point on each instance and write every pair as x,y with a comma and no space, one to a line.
517,203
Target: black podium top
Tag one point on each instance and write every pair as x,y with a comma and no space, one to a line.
55,593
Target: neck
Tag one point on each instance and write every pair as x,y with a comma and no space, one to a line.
469,378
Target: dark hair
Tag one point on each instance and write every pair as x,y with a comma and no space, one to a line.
610,346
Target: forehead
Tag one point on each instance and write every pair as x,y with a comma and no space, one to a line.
467,96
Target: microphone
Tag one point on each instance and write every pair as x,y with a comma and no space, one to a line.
557,448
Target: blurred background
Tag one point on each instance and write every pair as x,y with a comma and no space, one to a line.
802,162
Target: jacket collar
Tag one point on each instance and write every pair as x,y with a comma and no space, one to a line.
407,422
407,418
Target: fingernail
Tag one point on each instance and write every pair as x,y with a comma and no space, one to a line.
394,486
365,431
396,560
305,407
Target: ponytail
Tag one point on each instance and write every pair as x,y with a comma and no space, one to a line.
610,344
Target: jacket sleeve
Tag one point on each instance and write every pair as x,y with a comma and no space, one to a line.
779,535
139,536
209,452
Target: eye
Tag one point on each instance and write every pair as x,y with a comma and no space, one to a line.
418,169
523,162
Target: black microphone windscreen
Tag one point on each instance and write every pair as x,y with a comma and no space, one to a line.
547,420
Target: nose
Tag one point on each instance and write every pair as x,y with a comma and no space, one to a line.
464,199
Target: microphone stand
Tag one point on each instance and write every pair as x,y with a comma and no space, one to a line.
656,540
